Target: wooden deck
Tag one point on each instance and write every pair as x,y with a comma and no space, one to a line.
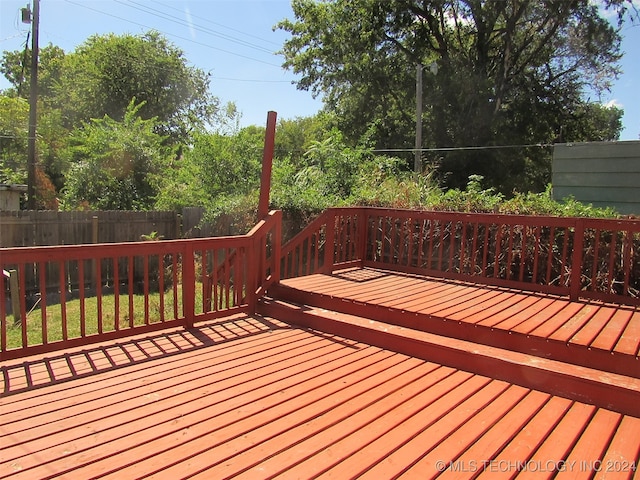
253,397
591,334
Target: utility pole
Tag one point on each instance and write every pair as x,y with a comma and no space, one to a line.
417,163
33,102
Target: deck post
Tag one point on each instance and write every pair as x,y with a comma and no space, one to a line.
267,162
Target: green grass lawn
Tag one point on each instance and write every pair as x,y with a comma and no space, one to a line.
108,305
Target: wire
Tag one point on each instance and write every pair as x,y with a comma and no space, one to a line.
228,28
174,19
173,35
250,80
456,149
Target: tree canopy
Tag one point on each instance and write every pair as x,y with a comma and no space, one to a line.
115,165
105,73
508,73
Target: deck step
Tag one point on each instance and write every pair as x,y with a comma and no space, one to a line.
539,345
601,388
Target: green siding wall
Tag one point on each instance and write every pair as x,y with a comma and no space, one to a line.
605,174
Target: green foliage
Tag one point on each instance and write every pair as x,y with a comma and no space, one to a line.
543,204
14,120
116,165
216,167
509,73
326,175
473,199
105,73
16,68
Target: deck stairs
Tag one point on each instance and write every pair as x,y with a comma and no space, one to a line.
578,371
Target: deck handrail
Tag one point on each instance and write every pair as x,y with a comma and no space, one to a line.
123,289
585,258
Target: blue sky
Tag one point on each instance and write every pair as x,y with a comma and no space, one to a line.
234,40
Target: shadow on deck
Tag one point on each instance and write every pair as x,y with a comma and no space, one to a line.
312,390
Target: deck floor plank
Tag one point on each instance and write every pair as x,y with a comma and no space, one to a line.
463,437
619,461
494,438
628,343
592,444
254,397
73,424
522,447
412,450
550,457
216,426
277,453
613,330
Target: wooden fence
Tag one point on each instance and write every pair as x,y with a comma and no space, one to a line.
28,228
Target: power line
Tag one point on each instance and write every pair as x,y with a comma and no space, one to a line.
174,19
455,149
226,27
254,80
172,35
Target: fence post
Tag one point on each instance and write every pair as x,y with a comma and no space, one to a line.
576,260
14,289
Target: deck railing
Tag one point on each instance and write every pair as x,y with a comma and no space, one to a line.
575,257
106,291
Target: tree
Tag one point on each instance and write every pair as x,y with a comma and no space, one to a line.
14,115
16,68
213,170
115,165
509,72
104,74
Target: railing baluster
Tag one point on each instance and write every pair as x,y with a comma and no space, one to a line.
116,293
612,256
565,246
485,249
63,301
594,266
145,288
474,246
42,285
627,262
81,293
552,243
463,243
98,269
3,312
523,252
161,259
130,273
536,253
